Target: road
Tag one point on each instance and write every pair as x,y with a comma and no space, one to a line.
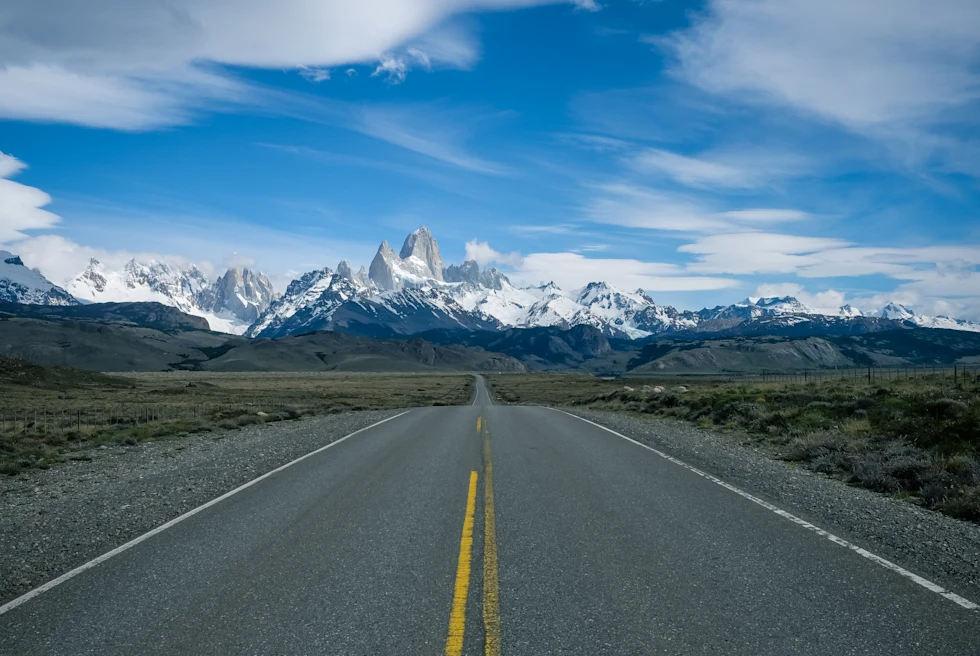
489,529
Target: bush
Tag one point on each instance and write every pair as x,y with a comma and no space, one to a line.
895,466
736,411
947,408
963,505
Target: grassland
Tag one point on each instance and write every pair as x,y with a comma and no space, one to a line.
48,414
918,439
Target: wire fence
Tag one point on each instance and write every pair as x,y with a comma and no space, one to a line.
957,373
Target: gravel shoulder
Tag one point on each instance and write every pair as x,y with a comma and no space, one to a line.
56,519
945,550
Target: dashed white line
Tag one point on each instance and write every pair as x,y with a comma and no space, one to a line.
10,605
887,564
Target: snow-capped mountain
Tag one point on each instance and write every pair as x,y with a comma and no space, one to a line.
412,291
324,300
230,304
418,263
18,284
901,313
242,293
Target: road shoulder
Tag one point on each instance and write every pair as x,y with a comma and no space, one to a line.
931,544
56,519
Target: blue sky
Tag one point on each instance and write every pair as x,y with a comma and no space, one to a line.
702,151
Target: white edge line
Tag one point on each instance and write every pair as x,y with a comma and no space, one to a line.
887,564
10,605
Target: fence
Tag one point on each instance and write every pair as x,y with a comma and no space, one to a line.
957,373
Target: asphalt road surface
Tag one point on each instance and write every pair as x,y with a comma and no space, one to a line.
490,529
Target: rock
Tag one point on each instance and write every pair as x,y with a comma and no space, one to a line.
659,389
262,414
627,388
680,389
647,389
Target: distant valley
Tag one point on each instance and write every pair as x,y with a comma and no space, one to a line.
155,337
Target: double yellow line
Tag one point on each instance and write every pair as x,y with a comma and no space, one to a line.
491,593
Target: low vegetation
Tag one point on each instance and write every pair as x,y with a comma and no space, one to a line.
49,414
919,439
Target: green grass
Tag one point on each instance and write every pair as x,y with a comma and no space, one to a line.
918,439
48,414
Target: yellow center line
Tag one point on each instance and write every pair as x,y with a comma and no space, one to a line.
491,595
457,618
479,424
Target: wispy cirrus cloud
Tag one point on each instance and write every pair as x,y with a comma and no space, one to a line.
571,270
140,66
860,63
825,257
905,72
744,169
427,129
634,206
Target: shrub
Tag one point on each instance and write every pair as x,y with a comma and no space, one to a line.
947,408
965,504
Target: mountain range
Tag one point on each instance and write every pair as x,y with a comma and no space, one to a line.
230,303
414,291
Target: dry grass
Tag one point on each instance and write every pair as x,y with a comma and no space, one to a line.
48,414
919,439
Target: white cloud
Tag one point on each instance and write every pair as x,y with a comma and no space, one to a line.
572,270
757,252
44,92
930,277
141,65
314,74
828,301
21,206
239,261
393,67
765,216
427,129
862,63
641,207
554,229
482,253
733,168
61,259
690,170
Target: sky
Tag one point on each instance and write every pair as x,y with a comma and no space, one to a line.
701,151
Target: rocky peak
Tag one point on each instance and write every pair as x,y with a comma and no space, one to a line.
358,278
242,293
382,269
468,271
422,244
344,270
896,311
493,278
646,297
